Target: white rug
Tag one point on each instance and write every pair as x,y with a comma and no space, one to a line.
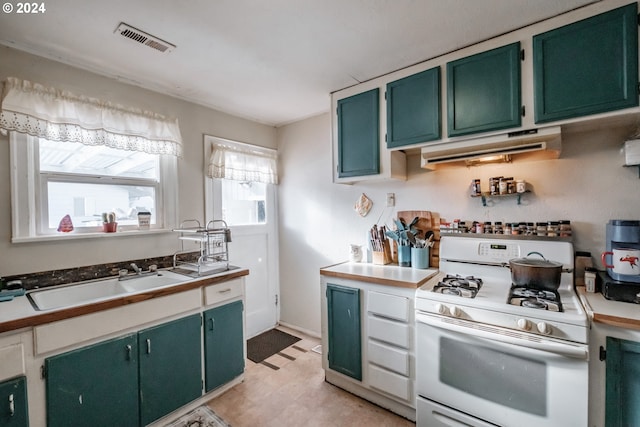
202,416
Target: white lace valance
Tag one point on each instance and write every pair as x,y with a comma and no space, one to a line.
243,162
59,115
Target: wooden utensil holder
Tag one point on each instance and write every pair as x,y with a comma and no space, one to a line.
382,257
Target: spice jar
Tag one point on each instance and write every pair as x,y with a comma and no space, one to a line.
502,185
521,186
564,228
531,229
475,187
497,227
552,229
487,227
515,228
494,186
541,228
479,228
507,228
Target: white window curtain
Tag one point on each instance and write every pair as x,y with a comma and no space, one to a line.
243,162
59,115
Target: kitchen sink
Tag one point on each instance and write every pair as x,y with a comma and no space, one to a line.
75,294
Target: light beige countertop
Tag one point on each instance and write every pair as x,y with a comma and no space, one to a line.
19,313
614,313
390,274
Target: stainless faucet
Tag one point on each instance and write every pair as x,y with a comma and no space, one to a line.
136,268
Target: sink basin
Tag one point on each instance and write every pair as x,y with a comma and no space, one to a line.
99,290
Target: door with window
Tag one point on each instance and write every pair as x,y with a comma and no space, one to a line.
249,208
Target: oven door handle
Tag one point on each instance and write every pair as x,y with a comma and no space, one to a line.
493,333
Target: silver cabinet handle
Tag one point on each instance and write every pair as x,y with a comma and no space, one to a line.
12,405
128,347
224,291
148,346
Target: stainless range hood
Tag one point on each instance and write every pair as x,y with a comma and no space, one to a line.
530,144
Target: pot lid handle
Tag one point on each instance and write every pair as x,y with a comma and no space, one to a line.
537,253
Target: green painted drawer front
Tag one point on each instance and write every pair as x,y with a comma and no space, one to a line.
94,386
359,135
587,67
170,367
344,332
224,344
622,383
483,91
413,109
13,403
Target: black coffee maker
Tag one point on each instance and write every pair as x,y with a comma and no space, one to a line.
621,287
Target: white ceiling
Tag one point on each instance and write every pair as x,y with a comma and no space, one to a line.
273,61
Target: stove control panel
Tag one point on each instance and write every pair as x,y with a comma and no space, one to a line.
501,252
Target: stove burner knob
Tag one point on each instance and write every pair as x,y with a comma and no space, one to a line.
543,328
524,324
455,311
441,309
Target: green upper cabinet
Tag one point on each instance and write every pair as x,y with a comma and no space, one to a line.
413,109
359,135
94,386
13,403
483,91
170,367
587,67
344,331
622,383
223,344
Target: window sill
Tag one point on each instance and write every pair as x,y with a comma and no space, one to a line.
97,235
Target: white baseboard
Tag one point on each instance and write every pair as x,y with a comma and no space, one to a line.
313,334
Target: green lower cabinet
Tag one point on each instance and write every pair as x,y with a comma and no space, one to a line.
587,67
344,331
223,344
170,367
13,406
94,386
622,383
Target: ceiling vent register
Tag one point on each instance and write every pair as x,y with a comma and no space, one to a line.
146,39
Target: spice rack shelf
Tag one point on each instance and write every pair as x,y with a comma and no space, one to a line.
486,196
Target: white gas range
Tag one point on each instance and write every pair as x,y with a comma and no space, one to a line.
492,354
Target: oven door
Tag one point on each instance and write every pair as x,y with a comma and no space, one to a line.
470,374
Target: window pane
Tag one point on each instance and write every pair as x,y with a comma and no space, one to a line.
85,203
71,157
243,203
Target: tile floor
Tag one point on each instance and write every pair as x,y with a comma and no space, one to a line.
297,395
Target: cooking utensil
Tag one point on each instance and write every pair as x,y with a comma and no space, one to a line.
536,273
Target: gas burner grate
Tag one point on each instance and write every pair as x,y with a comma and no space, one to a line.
538,299
466,287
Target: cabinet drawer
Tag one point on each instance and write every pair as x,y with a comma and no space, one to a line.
12,358
394,359
390,306
223,291
389,331
390,383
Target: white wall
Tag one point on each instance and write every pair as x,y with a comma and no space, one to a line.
195,121
587,185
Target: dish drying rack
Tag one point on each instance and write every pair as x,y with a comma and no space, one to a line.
213,241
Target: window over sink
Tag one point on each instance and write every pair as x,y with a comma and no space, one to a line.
51,179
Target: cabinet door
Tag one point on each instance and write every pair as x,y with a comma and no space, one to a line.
359,135
483,91
587,67
94,386
344,332
622,383
13,403
413,109
223,344
170,367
